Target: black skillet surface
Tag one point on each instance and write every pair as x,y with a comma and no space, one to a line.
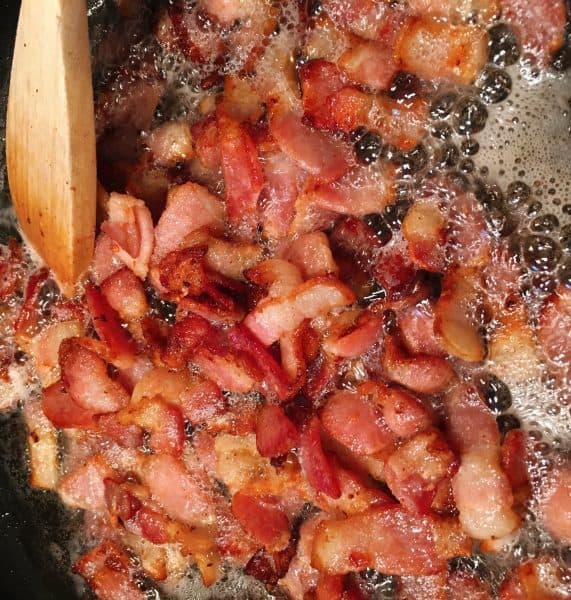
33,527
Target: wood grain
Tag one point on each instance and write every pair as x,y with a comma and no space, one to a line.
50,136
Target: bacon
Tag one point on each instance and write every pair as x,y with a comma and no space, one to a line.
85,377
454,315
319,80
415,471
42,445
357,339
513,460
231,259
242,171
105,260
183,495
485,9
109,571
206,147
108,326
283,179
314,151
388,540
189,207
421,373
275,433
184,338
131,228
125,294
26,324
404,414
439,50
11,268
311,253
228,371
416,324
402,124
164,421
481,489
274,317
424,228
395,272
62,411
539,24
369,63
126,436
467,586
366,18
170,144
315,463
353,420
555,505
84,487
349,108
554,322
277,275
263,519
427,586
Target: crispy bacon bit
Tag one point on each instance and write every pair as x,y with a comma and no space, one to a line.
43,447
274,317
315,463
556,504
131,228
388,540
263,519
415,470
539,24
108,326
555,322
354,420
125,293
84,487
164,421
62,411
181,493
396,272
189,207
439,50
319,80
315,151
421,373
85,377
275,433
185,337
109,571
242,172
424,229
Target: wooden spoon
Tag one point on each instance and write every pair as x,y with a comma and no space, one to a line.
50,136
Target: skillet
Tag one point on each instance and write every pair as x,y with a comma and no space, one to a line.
35,531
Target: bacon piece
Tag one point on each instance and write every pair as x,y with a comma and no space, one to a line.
554,322
402,124
125,293
243,342
416,470
467,586
84,487
395,271
555,506
416,324
127,436
353,420
357,339
439,50
11,268
539,24
105,260
164,421
424,586
278,276
62,411
242,171
26,325
330,587
205,135
311,253
421,373
231,259
513,460
273,318
349,108
319,80
227,370
315,151
130,226
263,519
539,578
454,318
189,207
108,326
42,445
84,374
388,540
283,179
109,571
481,489
424,228
369,63
315,463
485,9
184,338
170,143
275,433
365,18
183,495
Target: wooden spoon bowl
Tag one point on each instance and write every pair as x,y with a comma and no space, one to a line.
50,136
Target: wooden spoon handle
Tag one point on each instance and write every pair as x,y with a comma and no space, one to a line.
50,141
